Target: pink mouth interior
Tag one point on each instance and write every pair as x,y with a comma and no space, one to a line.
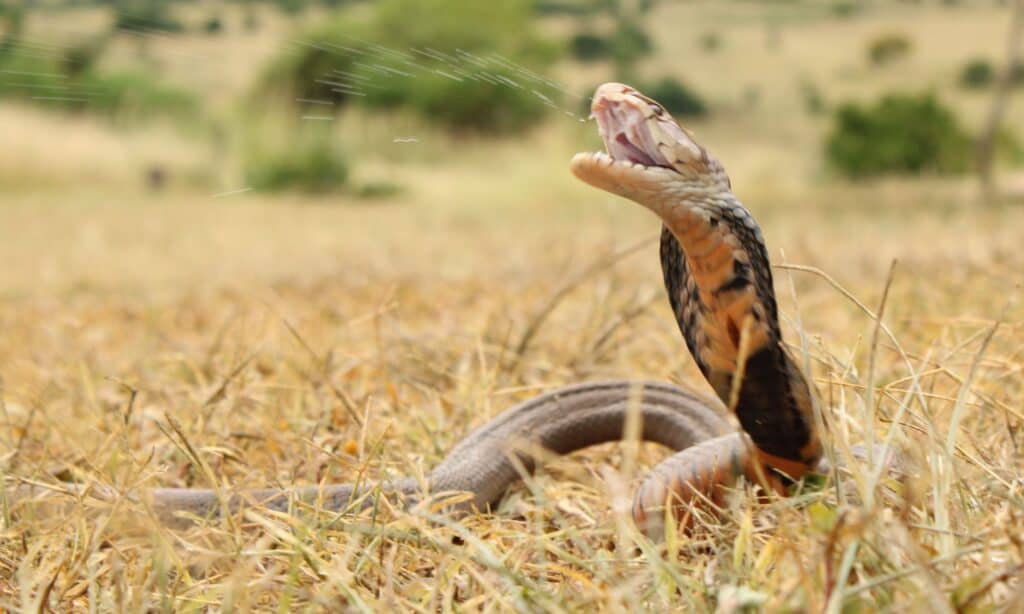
621,149
623,128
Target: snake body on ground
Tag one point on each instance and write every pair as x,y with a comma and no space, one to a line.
719,283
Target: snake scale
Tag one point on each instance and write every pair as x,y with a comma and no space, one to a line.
719,283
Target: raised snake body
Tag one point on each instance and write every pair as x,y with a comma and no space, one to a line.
717,275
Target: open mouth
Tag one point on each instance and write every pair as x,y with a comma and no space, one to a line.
624,123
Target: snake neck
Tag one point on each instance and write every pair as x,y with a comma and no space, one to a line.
719,282
716,269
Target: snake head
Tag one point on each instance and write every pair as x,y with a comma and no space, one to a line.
649,157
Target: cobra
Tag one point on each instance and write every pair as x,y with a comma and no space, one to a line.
719,283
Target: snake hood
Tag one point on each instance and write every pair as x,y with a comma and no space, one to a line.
716,269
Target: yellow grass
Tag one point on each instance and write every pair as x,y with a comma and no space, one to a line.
238,316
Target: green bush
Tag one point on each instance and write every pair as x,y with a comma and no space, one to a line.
677,98
814,101
375,190
13,19
575,8
1009,148
471,106
312,164
751,96
630,43
977,73
145,16
31,77
448,25
75,84
845,9
888,47
710,42
308,72
81,57
644,6
213,25
250,20
589,47
136,95
435,57
289,7
899,134
627,44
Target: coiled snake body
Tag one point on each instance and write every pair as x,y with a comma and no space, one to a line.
717,275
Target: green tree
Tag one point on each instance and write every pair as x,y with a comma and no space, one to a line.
467,65
899,134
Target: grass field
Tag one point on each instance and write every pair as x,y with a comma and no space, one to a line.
296,339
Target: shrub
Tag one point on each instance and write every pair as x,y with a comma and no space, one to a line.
145,15
589,47
436,57
977,73
627,44
452,98
814,101
289,7
213,25
378,190
13,19
250,21
676,97
751,96
37,78
311,164
644,6
845,9
478,106
630,43
75,84
82,57
565,7
1009,148
888,47
134,95
898,134
448,25
307,73
710,41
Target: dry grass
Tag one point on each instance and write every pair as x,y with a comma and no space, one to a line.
415,315
260,324
48,152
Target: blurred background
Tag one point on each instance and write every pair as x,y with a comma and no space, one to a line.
329,237
151,140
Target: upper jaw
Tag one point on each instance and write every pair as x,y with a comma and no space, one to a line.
624,121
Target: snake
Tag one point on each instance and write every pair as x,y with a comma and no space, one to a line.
718,279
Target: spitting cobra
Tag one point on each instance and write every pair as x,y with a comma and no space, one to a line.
719,283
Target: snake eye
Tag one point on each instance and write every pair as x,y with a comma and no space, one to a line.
657,109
